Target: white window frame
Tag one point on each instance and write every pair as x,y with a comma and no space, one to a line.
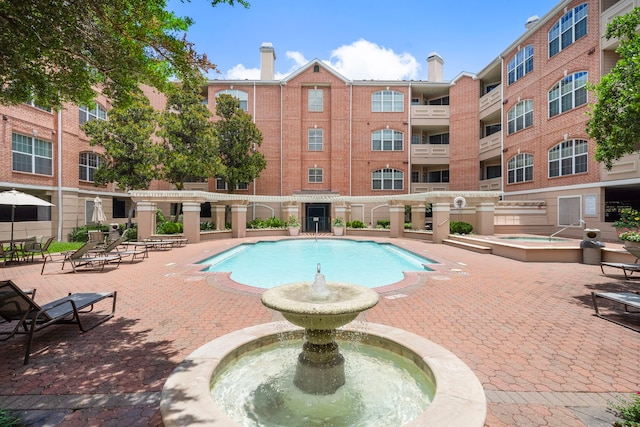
316,100
387,101
563,33
88,162
387,179
315,139
568,158
96,112
222,185
571,89
31,155
520,116
240,95
315,175
387,140
522,163
521,64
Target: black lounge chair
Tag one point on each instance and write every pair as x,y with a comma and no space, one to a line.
16,305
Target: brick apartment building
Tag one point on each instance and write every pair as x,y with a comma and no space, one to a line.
517,126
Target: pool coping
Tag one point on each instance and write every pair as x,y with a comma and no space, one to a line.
459,399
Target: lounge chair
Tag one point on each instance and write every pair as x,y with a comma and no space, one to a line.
627,268
30,317
6,255
82,257
30,249
113,249
626,299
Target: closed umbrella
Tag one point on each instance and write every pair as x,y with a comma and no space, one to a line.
98,214
15,198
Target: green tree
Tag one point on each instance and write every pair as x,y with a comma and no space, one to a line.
189,149
60,50
238,139
615,119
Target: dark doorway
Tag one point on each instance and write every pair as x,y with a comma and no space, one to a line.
317,213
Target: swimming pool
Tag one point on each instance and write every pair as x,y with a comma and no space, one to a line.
267,264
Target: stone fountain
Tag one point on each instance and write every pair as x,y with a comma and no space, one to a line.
320,309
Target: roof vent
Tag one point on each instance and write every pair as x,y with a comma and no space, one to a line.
531,21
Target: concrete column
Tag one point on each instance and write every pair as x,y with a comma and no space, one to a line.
146,215
485,213
218,213
342,211
238,221
191,221
396,216
418,217
290,209
441,216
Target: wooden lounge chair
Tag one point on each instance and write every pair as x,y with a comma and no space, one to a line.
626,299
30,317
83,258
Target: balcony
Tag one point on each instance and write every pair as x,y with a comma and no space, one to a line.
620,8
430,115
490,102
425,187
490,146
493,184
429,154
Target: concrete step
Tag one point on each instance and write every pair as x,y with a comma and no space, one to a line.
468,246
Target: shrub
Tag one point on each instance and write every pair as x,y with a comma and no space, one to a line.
460,227
407,226
170,228
626,411
383,223
207,226
256,223
274,222
8,419
81,234
356,224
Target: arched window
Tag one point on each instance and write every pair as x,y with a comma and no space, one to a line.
521,64
387,179
568,158
88,163
91,113
241,95
520,168
571,27
520,116
387,140
387,101
568,93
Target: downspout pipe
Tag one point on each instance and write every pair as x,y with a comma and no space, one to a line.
59,166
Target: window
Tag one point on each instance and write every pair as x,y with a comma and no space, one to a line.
493,171
568,158
387,179
242,96
315,175
439,176
491,87
315,138
440,139
520,168
521,64
315,100
34,103
491,129
387,101
568,93
571,27
89,163
387,140
91,113
31,155
222,185
439,101
520,116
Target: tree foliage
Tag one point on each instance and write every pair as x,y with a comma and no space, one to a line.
59,50
189,148
131,156
238,139
615,118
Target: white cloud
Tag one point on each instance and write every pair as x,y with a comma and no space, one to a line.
360,60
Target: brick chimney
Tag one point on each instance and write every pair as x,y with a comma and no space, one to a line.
267,61
434,64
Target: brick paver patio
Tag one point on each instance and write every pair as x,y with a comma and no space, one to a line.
527,330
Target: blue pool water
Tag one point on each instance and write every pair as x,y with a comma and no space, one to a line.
269,264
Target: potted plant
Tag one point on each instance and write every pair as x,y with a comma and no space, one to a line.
630,237
294,225
338,226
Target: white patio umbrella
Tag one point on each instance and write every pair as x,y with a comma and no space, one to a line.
98,214
15,198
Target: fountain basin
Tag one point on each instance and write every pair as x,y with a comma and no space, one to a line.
459,400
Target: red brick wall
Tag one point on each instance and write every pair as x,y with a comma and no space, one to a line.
464,134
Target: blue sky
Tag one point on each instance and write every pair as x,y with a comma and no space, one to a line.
365,39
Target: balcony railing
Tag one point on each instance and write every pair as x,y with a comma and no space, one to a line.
490,102
424,154
436,115
490,146
426,187
493,184
620,8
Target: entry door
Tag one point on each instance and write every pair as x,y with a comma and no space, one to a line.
317,213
